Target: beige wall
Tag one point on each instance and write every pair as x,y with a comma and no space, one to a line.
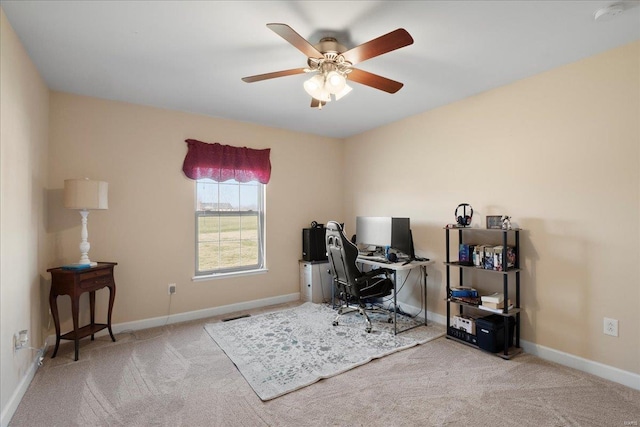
149,226
23,172
560,153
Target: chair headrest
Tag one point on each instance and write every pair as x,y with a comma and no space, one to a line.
334,226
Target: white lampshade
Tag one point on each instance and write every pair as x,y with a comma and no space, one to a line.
345,90
315,87
85,194
335,82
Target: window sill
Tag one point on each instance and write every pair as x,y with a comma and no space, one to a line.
228,275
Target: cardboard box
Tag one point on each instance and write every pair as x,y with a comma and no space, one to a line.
464,323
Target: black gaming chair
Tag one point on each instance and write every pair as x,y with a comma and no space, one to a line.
353,285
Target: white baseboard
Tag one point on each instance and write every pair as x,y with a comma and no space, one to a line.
601,370
16,397
195,315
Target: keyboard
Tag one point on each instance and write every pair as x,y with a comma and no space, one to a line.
377,258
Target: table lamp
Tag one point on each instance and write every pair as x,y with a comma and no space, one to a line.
84,195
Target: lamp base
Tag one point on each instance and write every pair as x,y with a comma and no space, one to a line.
84,264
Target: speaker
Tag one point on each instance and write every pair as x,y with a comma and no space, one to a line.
314,247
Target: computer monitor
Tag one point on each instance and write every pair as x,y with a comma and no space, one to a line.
373,231
401,238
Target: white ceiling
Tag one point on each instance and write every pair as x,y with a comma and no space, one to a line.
191,55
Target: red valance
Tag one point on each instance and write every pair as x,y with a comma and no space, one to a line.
224,162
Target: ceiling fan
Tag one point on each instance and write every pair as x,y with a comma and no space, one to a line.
332,64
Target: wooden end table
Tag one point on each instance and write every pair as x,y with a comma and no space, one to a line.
74,282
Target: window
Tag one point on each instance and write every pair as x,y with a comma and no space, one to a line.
229,226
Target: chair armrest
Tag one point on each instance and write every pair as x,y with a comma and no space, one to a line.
374,273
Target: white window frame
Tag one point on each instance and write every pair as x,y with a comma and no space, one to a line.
259,213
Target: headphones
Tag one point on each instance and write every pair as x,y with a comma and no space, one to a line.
464,219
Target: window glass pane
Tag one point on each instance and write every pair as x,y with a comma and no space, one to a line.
228,221
208,228
229,197
230,228
207,195
249,227
249,250
249,197
208,256
230,254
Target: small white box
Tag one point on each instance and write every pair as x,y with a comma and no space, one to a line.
464,323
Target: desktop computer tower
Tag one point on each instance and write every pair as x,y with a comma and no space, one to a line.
314,247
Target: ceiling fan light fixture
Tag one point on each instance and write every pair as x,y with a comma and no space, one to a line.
314,84
323,95
315,87
335,82
345,90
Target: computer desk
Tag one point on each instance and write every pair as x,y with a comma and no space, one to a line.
401,266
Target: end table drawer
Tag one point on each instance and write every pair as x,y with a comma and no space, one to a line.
94,274
94,279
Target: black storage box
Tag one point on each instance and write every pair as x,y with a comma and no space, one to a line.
314,248
490,332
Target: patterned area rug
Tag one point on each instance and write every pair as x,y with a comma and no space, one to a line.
284,351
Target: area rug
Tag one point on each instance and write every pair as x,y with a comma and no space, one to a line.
286,350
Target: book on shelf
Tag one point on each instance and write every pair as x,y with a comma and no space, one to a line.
493,310
495,297
495,305
462,291
466,300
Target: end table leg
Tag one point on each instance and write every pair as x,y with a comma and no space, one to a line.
92,309
112,297
74,312
53,303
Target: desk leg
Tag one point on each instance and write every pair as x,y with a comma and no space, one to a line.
53,303
74,313
92,309
424,277
112,297
395,304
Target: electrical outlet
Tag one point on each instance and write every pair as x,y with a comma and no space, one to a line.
20,339
172,288
611,327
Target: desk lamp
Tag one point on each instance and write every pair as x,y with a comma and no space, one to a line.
85,194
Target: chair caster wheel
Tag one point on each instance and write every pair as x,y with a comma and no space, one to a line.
335,323
368,330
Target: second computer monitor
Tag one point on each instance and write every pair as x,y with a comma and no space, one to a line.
401,238
373,231
385,231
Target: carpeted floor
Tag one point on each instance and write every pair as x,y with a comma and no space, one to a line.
177,376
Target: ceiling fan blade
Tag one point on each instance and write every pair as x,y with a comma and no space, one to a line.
273,75
374,80
287,33
317,103
376,47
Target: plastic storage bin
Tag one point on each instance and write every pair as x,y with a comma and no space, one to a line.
490,332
